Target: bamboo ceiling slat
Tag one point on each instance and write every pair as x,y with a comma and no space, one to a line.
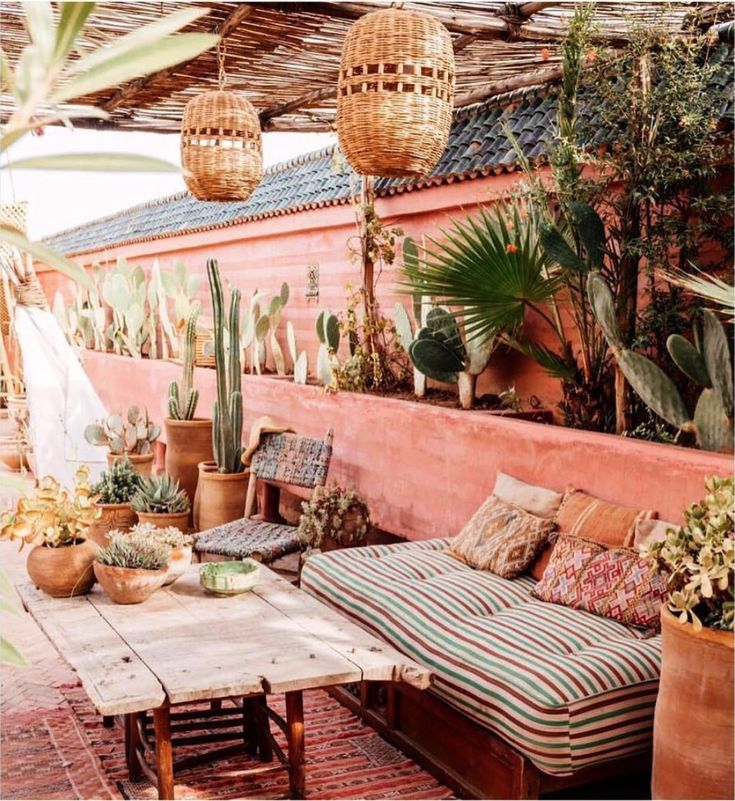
284,56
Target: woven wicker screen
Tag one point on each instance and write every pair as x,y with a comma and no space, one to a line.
395,93
221,146
12,215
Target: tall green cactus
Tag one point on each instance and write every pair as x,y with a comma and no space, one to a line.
227,414
708,366
182,400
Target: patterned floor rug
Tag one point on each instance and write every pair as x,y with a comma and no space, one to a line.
79,758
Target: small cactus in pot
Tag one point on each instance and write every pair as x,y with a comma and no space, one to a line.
131,436
160,502
183,398
113,494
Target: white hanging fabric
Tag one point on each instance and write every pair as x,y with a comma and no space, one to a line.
61,398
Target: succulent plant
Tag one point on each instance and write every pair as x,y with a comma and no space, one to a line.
133,433
325,516
51,516
183,399
118,484
135,551
160,495
169,535
707,363
698,559
227,415
439,353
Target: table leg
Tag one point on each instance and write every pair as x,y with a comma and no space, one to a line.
164,752
262,725
132,743
296,761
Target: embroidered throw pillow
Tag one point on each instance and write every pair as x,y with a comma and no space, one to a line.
591,518
539,501
611,582
501,538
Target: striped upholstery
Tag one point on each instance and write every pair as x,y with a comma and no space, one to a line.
565,688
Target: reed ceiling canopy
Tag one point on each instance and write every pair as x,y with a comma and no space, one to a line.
284,57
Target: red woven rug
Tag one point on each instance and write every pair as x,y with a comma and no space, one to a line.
69,754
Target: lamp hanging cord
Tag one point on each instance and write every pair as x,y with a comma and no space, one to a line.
221,75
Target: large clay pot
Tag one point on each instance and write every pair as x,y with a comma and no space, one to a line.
63,572
125,585
114,515
179,520
188,442
693,722
178,561
220,497
142,462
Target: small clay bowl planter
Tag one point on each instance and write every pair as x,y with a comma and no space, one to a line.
220,497
142,462
63,572
121,516
229,578
178,561
179,520
126,585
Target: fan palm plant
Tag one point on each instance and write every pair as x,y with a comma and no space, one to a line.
490,269
710,288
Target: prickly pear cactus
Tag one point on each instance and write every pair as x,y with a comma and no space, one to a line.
712,421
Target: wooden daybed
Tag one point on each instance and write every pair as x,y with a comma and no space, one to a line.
529,698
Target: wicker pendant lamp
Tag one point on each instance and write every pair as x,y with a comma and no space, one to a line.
395,93
221,144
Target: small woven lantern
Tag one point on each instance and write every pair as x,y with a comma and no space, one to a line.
221,144
395,93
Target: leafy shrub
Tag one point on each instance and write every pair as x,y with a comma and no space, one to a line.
333,512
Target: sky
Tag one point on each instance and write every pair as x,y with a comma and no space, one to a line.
61,200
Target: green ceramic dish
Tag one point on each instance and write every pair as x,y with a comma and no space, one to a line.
229,578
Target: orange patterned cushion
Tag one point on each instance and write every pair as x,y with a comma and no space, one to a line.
610,582
501,538
583,515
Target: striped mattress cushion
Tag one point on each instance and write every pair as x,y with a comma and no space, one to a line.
565,688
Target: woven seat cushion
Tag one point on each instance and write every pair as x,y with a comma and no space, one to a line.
566,688
245,538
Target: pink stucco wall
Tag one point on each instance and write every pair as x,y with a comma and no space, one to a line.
263,253
425,469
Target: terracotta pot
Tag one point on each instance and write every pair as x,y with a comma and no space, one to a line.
220,497
178,562
179,520
13,453
7,425
142,462
63,572
125,585
114,515
693,722
351,521
188,442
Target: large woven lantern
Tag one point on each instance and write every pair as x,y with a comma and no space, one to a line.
221,146
395,93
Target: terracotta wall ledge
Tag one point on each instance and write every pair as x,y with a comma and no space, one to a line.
425,469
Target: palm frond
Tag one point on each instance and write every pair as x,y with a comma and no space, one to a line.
710,287
490,265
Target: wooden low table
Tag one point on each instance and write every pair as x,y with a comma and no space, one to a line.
183,645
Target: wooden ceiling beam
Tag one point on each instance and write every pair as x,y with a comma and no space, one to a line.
127,93
535,78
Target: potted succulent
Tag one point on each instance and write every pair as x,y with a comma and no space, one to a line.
333,518
160,502
222,487
180,545
188,438
132,566
131,436
56,523
693,723
112,496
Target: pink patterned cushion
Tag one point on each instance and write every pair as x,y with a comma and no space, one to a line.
611,582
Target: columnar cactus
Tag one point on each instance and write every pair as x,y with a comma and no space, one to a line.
708,366
182,401
227,415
